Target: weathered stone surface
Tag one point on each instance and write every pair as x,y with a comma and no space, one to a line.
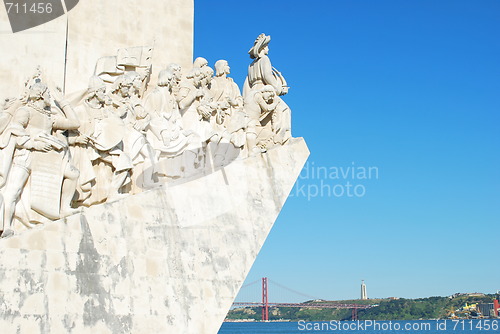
94,29
169,260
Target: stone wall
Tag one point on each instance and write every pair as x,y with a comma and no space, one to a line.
169,260
93,29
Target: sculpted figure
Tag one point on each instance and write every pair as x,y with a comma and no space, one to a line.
194,99
260,71
207,105
229,103
177,149
40,151
273,128
128,106
11,136
229,119
175,71
261,106
218,143
97,148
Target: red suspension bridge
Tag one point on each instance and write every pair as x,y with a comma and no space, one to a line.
313,303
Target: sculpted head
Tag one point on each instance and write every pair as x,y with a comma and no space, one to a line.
200,62
222,67
175,69
134,79
196,76
123,84
268,93
165,78
260,46
38,92
96,89
207,73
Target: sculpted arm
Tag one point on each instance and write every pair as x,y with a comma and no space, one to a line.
264,106
268,75
23,140
188,96
70,122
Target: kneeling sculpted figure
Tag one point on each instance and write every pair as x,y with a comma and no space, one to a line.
98,147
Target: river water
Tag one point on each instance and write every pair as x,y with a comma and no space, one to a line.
366,327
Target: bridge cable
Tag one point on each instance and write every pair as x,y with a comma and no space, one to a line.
294,291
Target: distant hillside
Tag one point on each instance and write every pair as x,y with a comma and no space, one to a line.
387,309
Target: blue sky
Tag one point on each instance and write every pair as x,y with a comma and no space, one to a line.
409,87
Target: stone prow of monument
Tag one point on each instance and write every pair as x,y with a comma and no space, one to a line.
168,260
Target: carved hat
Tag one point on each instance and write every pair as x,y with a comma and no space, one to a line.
261,42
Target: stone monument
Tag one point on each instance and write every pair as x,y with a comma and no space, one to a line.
137,202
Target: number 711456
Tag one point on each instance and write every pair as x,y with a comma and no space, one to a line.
476,325
24,8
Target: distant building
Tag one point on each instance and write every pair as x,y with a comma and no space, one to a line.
469,307
364,295
475,294
487,310
470,294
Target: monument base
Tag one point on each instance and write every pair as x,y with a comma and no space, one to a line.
169,260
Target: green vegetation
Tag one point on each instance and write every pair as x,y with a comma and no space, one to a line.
387,309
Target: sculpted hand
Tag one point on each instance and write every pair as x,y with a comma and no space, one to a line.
205,114
57,94
82,139
146,74
231,101
41,146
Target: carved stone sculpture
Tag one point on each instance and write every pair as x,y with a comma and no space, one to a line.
261,73
177,150
195,116
123,136
97,147
128,106
229,119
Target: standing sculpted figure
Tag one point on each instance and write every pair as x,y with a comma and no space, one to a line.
98,147
260,74
230,119
177,149
12,135
41,153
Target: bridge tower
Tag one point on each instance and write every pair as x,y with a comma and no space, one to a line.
265,301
